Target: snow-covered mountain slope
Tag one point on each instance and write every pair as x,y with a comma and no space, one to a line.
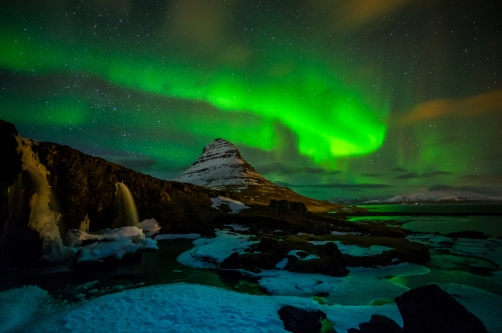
442,195
221,166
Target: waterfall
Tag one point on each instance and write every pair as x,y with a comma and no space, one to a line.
32,189
126,214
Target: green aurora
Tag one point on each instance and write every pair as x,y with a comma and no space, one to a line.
322,98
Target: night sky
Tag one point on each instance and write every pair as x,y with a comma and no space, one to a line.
345,99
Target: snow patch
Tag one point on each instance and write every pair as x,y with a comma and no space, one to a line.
176,236
234,205
209,252
355,250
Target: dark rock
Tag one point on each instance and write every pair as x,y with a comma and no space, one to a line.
430,309
285,205
267,244
331,262
377,324
322,294
232,262
467,234
301,321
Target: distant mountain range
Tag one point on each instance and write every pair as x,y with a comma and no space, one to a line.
438,196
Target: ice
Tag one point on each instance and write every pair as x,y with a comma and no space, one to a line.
282,264
346,317
176,236
99,251
294,253
343,233
361,287
234,205
355,250
110,243
237,227
149,226
484,305
208,252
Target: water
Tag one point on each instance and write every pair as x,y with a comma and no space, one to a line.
490,225
126,214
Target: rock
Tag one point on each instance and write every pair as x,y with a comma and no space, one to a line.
377,324
267,244
301,321
232,262
285,205
331,262
467,234
430,309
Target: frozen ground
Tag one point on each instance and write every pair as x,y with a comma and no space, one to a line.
234,205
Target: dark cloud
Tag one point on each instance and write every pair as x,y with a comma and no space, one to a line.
476,189
416,175
372,174
336,185
409,175
284,169
485,178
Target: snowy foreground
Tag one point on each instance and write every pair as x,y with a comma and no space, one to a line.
189,308
185,307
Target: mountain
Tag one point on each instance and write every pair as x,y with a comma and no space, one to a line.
438,196
222,167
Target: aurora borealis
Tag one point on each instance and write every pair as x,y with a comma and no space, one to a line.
362,98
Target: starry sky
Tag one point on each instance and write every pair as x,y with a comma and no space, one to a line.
334,99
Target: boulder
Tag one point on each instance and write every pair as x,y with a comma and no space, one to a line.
232,262
377,324
300,321
430,309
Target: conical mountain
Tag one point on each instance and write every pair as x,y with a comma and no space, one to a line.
221,166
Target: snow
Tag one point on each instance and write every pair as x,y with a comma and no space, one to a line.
149,226
189,308
208,252
442,195
294,253
282,264
234,205
237,227
344,233
176,236
221,165
118,242
355,250
361,287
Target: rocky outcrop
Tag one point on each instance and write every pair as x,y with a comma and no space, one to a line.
431,309
300,321
78,187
